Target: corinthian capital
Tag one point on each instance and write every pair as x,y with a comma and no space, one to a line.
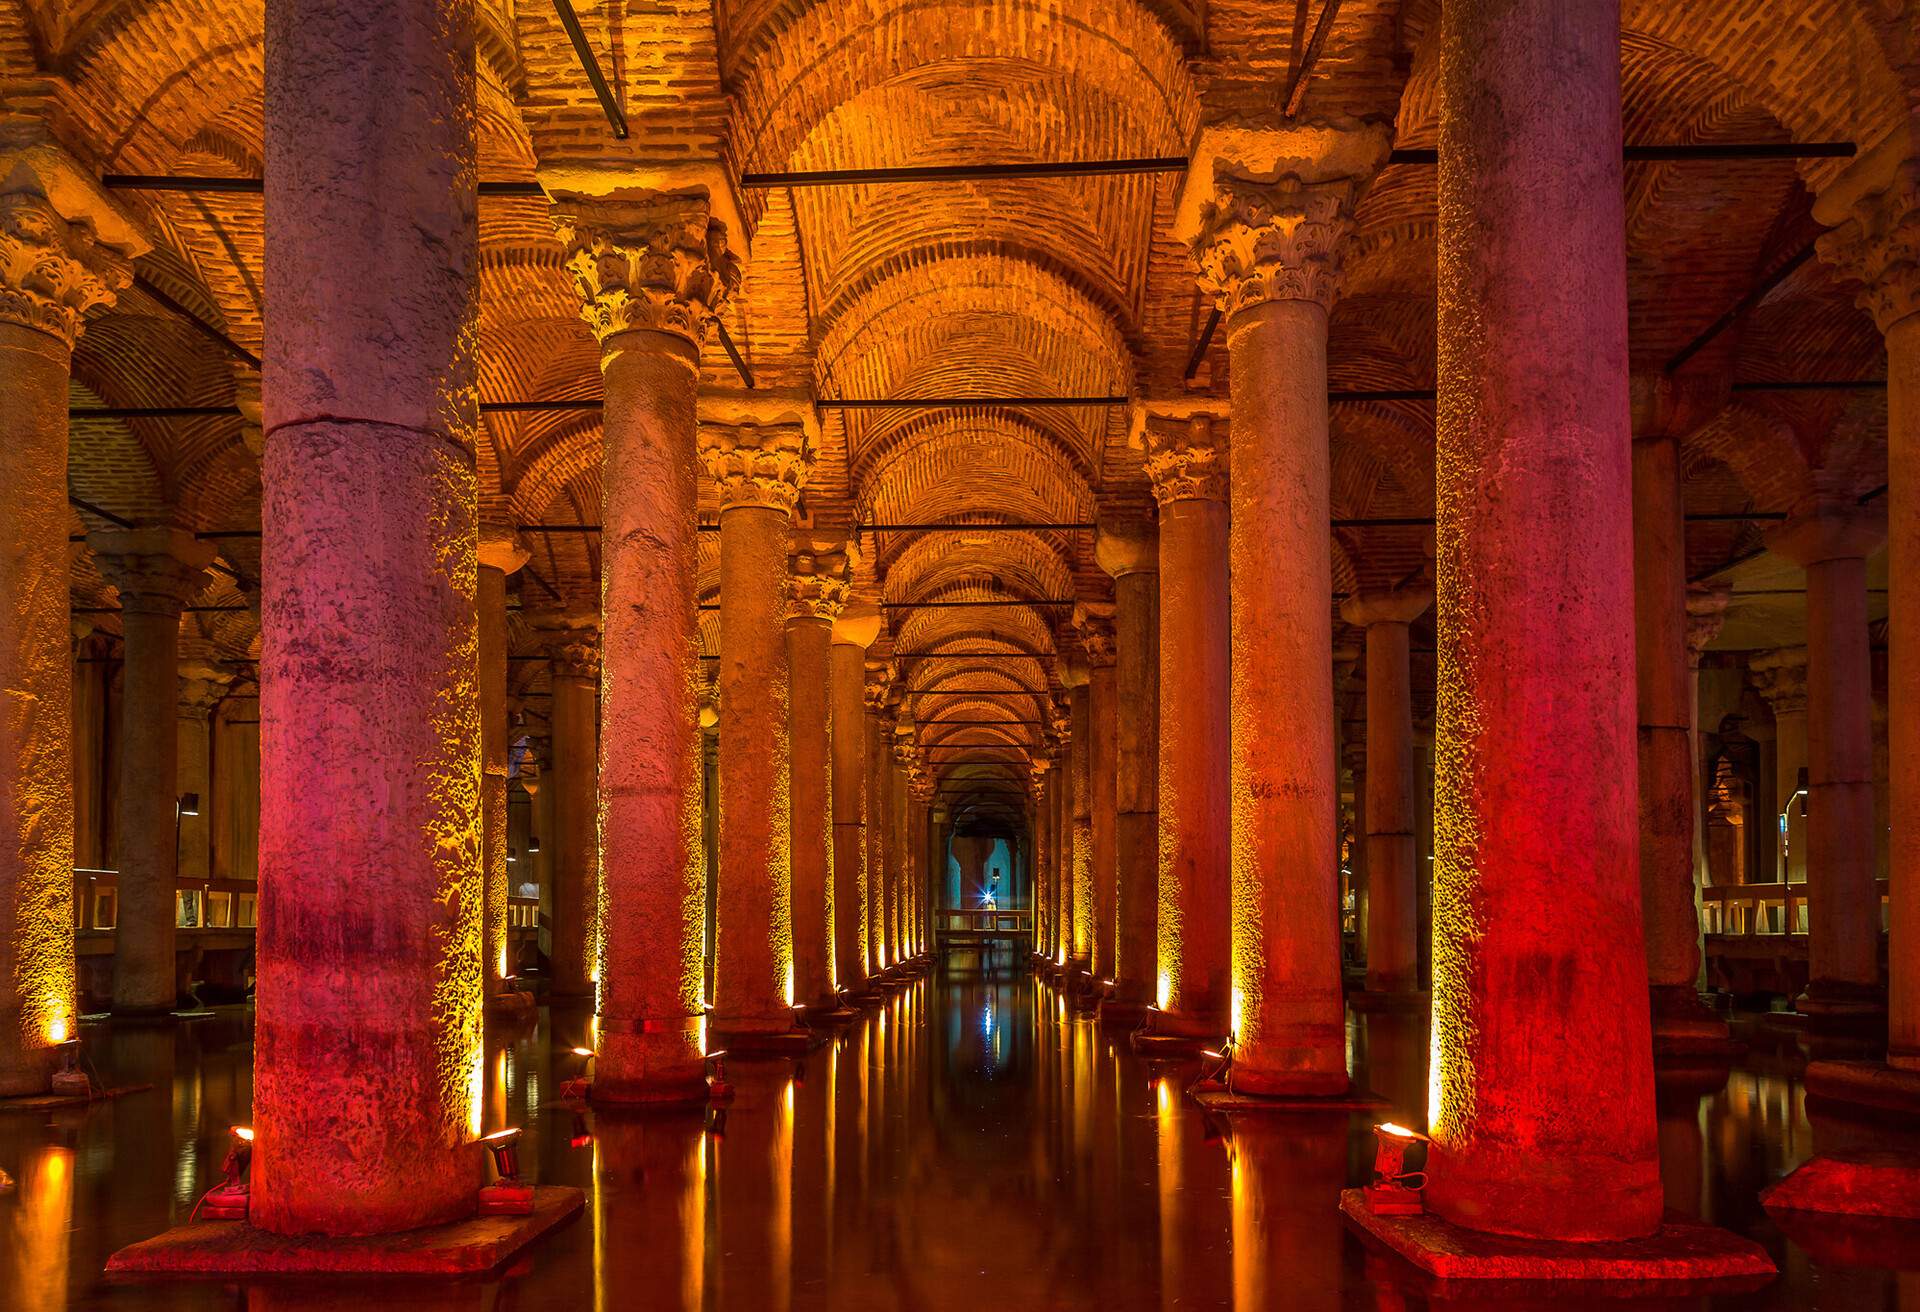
1265,213
1186,446
65,247
818,576
1874,209
650,262
755,464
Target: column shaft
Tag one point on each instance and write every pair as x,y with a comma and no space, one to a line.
850,919
1136,841
367,1056
809,644
576,851
1539,963
143,956
1903,692
1289,1022
878,759
1393,907
754,947
1080,944
495,886
1103,716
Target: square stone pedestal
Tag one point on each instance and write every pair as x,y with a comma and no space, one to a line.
1866,1084
234,1249
1883,1184
768,1043
42,1102
1215,1096
1682,1250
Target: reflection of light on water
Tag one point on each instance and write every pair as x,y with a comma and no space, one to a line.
42,1230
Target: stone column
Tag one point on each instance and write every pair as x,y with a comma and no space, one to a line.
853,632
878,757
1040,809
499,556
1076,894
1103,714
1268,253
1393,899
1131,554
367,1044
758,464
202,686
817,589
157,570
89,745
1353,753
899,848
651,271
64,251
573,664
1875,207
1537,1000
1831,540
1781,677
1187,462
1706,613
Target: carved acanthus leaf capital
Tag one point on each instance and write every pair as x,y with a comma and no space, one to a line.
878,685
53,272
1706,613
572,644
156,569
756,464
817,583
202,686
1186,455
1781,677
1878,243
657,262
1094,623
1265,241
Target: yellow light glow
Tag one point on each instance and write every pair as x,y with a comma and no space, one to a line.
1397,1131
583,1052
787,988
57,1030
1238,1006
243,1133
1163,991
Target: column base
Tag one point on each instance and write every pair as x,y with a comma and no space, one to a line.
1179,1034
829,1015
512,1006
1371,1000
1682,1251
1835,1002
228,1249
1684,1026
1119,1014
1865,1084
1873,1184
1219,1095
797,1042
51,1099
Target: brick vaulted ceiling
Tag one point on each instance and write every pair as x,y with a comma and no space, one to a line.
1042,286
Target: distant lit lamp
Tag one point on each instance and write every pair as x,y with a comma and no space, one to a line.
1396,1190
227,1201
580,1087
508,1195
184,805
513,855
189,804
533,842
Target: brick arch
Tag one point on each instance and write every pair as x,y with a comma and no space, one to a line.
1020,472
1760,450
1021,565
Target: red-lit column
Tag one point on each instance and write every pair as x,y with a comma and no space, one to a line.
817,590
1539,971
499,556
1875,208
758,469
1187,461
72,250
1131,554
573,665
853,632
367,1045
1096,634
1663,680
157,571
650,273
1393,905
1060,820
1831,540
899,849
1269,254
202,687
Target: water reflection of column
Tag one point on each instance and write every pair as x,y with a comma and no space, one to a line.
1192,1176
650,1213
1682,1150
1283,1172
42,1230
755,1178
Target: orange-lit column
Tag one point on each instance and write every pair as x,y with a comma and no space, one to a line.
156,570
650,273
853,632
899,850
1040,809
71,258
1269,253
1875,208
758,468
1393,906
1537,1000
1096,634
878,763
500,555
368,1086
1076,892
1131,554
573,666
1187,461
817,589
1831,540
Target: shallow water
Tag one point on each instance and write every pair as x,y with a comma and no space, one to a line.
969,1146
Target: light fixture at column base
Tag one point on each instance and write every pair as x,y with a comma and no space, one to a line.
1682,1251
227,1249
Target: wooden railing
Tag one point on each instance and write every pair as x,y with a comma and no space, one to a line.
984,922
1762,910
